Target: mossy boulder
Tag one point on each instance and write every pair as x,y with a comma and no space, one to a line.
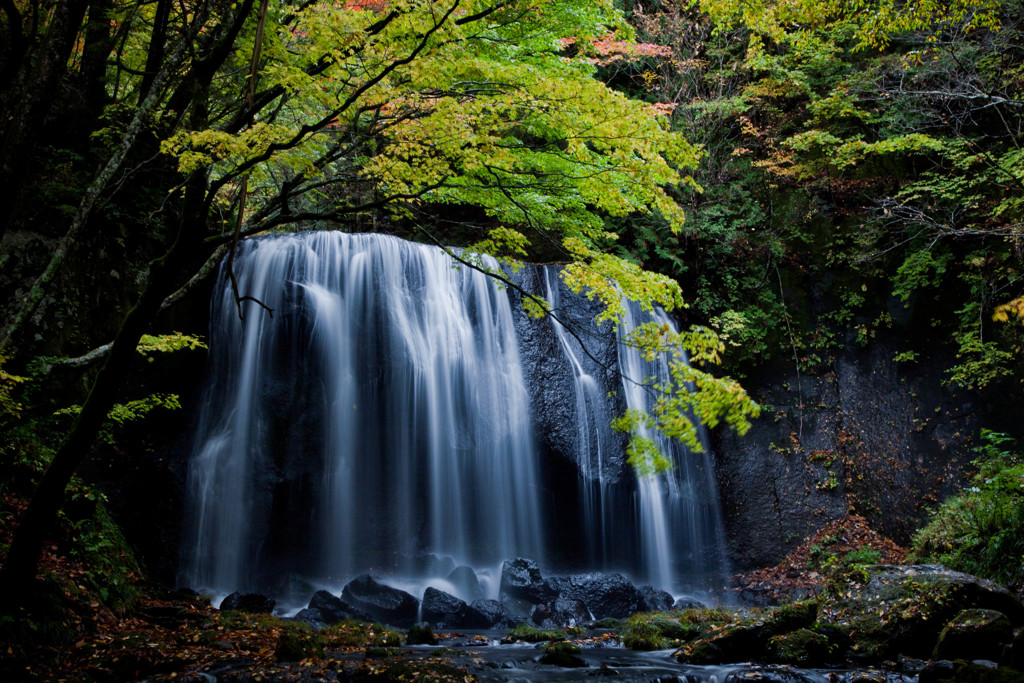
974,634
645,631
798,615
562,654
299,641
421,634
743,643
528,634
802,647
892,610
727,636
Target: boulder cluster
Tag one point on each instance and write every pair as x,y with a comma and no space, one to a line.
920,619
525,597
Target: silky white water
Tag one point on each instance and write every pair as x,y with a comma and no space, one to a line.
379,421
674,517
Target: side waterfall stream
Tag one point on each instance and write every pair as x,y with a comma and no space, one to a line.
380,421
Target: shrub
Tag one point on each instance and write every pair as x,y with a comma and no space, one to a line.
981,530
656,632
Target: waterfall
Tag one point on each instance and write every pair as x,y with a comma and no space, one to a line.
674,517
380,420
680,521
412,430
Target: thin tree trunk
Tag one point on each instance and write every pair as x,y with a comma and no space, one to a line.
155,56
22,561
35,94
99,42
93,192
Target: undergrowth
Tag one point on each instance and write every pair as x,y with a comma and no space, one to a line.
980,531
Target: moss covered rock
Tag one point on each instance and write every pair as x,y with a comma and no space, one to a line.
657,631
731,644
798,615
562,654
893,610
421,634
299,641
801,647
974,634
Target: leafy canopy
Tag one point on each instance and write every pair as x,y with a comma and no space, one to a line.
474,122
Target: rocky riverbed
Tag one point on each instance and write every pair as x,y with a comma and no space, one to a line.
874,623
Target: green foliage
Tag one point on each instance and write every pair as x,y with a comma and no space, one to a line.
981,529
111,571
862,556
687,393
529,634
9,407
167,343
489,115
99,569
656,631
123,413
844,160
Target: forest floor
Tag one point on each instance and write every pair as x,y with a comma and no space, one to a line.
76,627
840,545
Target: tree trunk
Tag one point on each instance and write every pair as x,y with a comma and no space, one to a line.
22,561
99,42
35,94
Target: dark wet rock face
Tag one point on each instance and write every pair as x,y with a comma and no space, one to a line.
384,603
575,598
331,609
253,603
606,595
446,611
495,613
560,613
656,600
886,436
521,579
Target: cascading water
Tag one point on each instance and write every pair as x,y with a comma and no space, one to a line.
680,520
406,372
673,517
381,417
